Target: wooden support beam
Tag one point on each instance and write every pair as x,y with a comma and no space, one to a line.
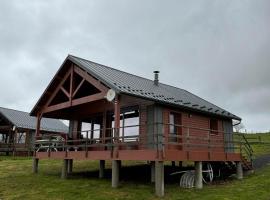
5,127
57,107
39,117
104,122
116,124
71,88
90,79
90,98
79,86
56,90
65,92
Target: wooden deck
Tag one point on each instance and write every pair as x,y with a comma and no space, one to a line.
141,155
151,147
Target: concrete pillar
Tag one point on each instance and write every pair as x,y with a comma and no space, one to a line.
101,168
35,165
180,164
64,169
70,166
198,175
159,178
239,170
115,173
152,163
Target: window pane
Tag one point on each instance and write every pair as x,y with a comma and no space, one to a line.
172,127
96,131
134,130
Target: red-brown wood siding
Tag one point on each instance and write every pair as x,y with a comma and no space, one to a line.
198,138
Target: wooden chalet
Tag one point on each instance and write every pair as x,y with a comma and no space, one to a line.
118,116
17,131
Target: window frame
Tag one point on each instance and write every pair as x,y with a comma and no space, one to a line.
214,126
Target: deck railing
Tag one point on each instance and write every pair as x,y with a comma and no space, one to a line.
16,148
149,136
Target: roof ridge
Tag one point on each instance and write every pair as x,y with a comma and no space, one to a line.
165,84
13,109
115,69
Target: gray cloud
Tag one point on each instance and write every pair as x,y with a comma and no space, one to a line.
216,49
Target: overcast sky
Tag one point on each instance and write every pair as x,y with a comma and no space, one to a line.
219,50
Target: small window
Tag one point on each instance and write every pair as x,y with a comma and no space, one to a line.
175,129
214,126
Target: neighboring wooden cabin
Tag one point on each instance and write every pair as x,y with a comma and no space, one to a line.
118,116
17,131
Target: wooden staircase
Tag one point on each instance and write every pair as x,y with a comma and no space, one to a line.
246,154
246,163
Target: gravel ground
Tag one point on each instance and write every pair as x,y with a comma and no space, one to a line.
261,161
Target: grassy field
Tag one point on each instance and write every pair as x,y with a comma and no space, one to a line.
260,143
17,182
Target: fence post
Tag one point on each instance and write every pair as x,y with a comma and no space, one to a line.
49,152
87,143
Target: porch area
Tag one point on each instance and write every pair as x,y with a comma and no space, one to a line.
134,145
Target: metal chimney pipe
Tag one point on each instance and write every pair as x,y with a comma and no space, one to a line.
156,73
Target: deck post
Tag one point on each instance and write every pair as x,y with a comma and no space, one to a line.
35,165
159,178
198,175
64,169
239,170
70,166
115,173
116,125
180,164
101,168
152,163
37,133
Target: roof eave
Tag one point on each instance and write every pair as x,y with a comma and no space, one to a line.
183,107
34,111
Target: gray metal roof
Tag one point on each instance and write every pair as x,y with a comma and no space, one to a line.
131,84
23,120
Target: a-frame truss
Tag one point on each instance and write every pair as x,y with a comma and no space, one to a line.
76,87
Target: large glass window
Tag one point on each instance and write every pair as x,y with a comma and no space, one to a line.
129,124
93,129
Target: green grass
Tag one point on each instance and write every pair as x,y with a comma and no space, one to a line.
260,143
17,182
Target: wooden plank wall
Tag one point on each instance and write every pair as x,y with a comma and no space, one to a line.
198,121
